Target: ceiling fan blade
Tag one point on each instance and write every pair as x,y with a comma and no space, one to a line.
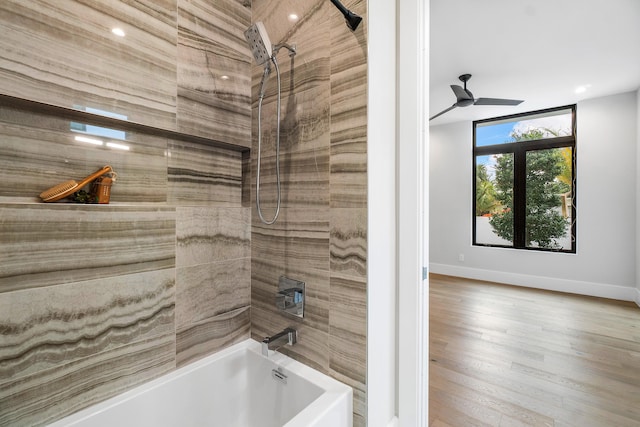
442,112
496,101
461,94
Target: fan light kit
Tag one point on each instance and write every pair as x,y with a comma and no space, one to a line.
464,98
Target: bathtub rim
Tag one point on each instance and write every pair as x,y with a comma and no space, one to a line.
333,391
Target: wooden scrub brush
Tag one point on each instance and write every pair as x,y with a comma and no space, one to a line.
66,188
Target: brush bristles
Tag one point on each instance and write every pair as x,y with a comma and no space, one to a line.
57,190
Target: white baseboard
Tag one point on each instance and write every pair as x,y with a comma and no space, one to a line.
603,290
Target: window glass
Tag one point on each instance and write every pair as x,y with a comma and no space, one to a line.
524,168
494,200
548,198
517,129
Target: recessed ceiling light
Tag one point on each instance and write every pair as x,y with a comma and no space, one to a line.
293,17
583,88
225,77
118,32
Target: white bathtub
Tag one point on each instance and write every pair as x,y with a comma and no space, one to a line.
234,387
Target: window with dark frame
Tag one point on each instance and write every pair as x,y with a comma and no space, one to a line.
524,169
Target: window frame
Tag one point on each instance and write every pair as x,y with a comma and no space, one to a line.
519,150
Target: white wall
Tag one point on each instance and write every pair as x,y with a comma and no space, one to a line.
605,262
397,374
381,248
412,196
638,201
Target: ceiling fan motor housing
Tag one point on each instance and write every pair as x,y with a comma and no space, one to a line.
465,102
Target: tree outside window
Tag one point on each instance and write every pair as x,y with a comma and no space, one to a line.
524,181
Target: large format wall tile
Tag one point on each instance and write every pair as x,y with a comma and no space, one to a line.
299,251
95,300
63,53
348,339
348,183
208,290
320,236
214,81
69,346
211,335
212,279
167,73
349,112
206,235
304,180
49,395
348,244
40,151
51,244
348,303
296,247
305,109
200,174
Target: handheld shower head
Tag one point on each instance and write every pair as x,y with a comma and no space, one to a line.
259,42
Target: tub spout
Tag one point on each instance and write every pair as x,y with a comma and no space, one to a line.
288,336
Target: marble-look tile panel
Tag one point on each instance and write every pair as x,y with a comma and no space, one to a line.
305,103
214,73
304,181
348,336
305,107
51,244
300,234
40,151
349,168
208,290
212,335
299,239
64,53
348,242
68,346
44,327
44,397
313,19
349,112
264,286
304,159
206,235
324,117
297,246
201,174
348,183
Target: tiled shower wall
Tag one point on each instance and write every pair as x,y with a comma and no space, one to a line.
95,300
321,234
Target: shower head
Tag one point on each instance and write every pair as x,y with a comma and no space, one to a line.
259,43
351,18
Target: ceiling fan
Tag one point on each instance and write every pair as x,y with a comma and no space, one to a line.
464,98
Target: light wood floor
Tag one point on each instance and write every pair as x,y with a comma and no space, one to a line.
510,356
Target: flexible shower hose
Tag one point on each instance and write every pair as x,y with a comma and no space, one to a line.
264,80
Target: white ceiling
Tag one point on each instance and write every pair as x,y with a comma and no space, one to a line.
536,50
